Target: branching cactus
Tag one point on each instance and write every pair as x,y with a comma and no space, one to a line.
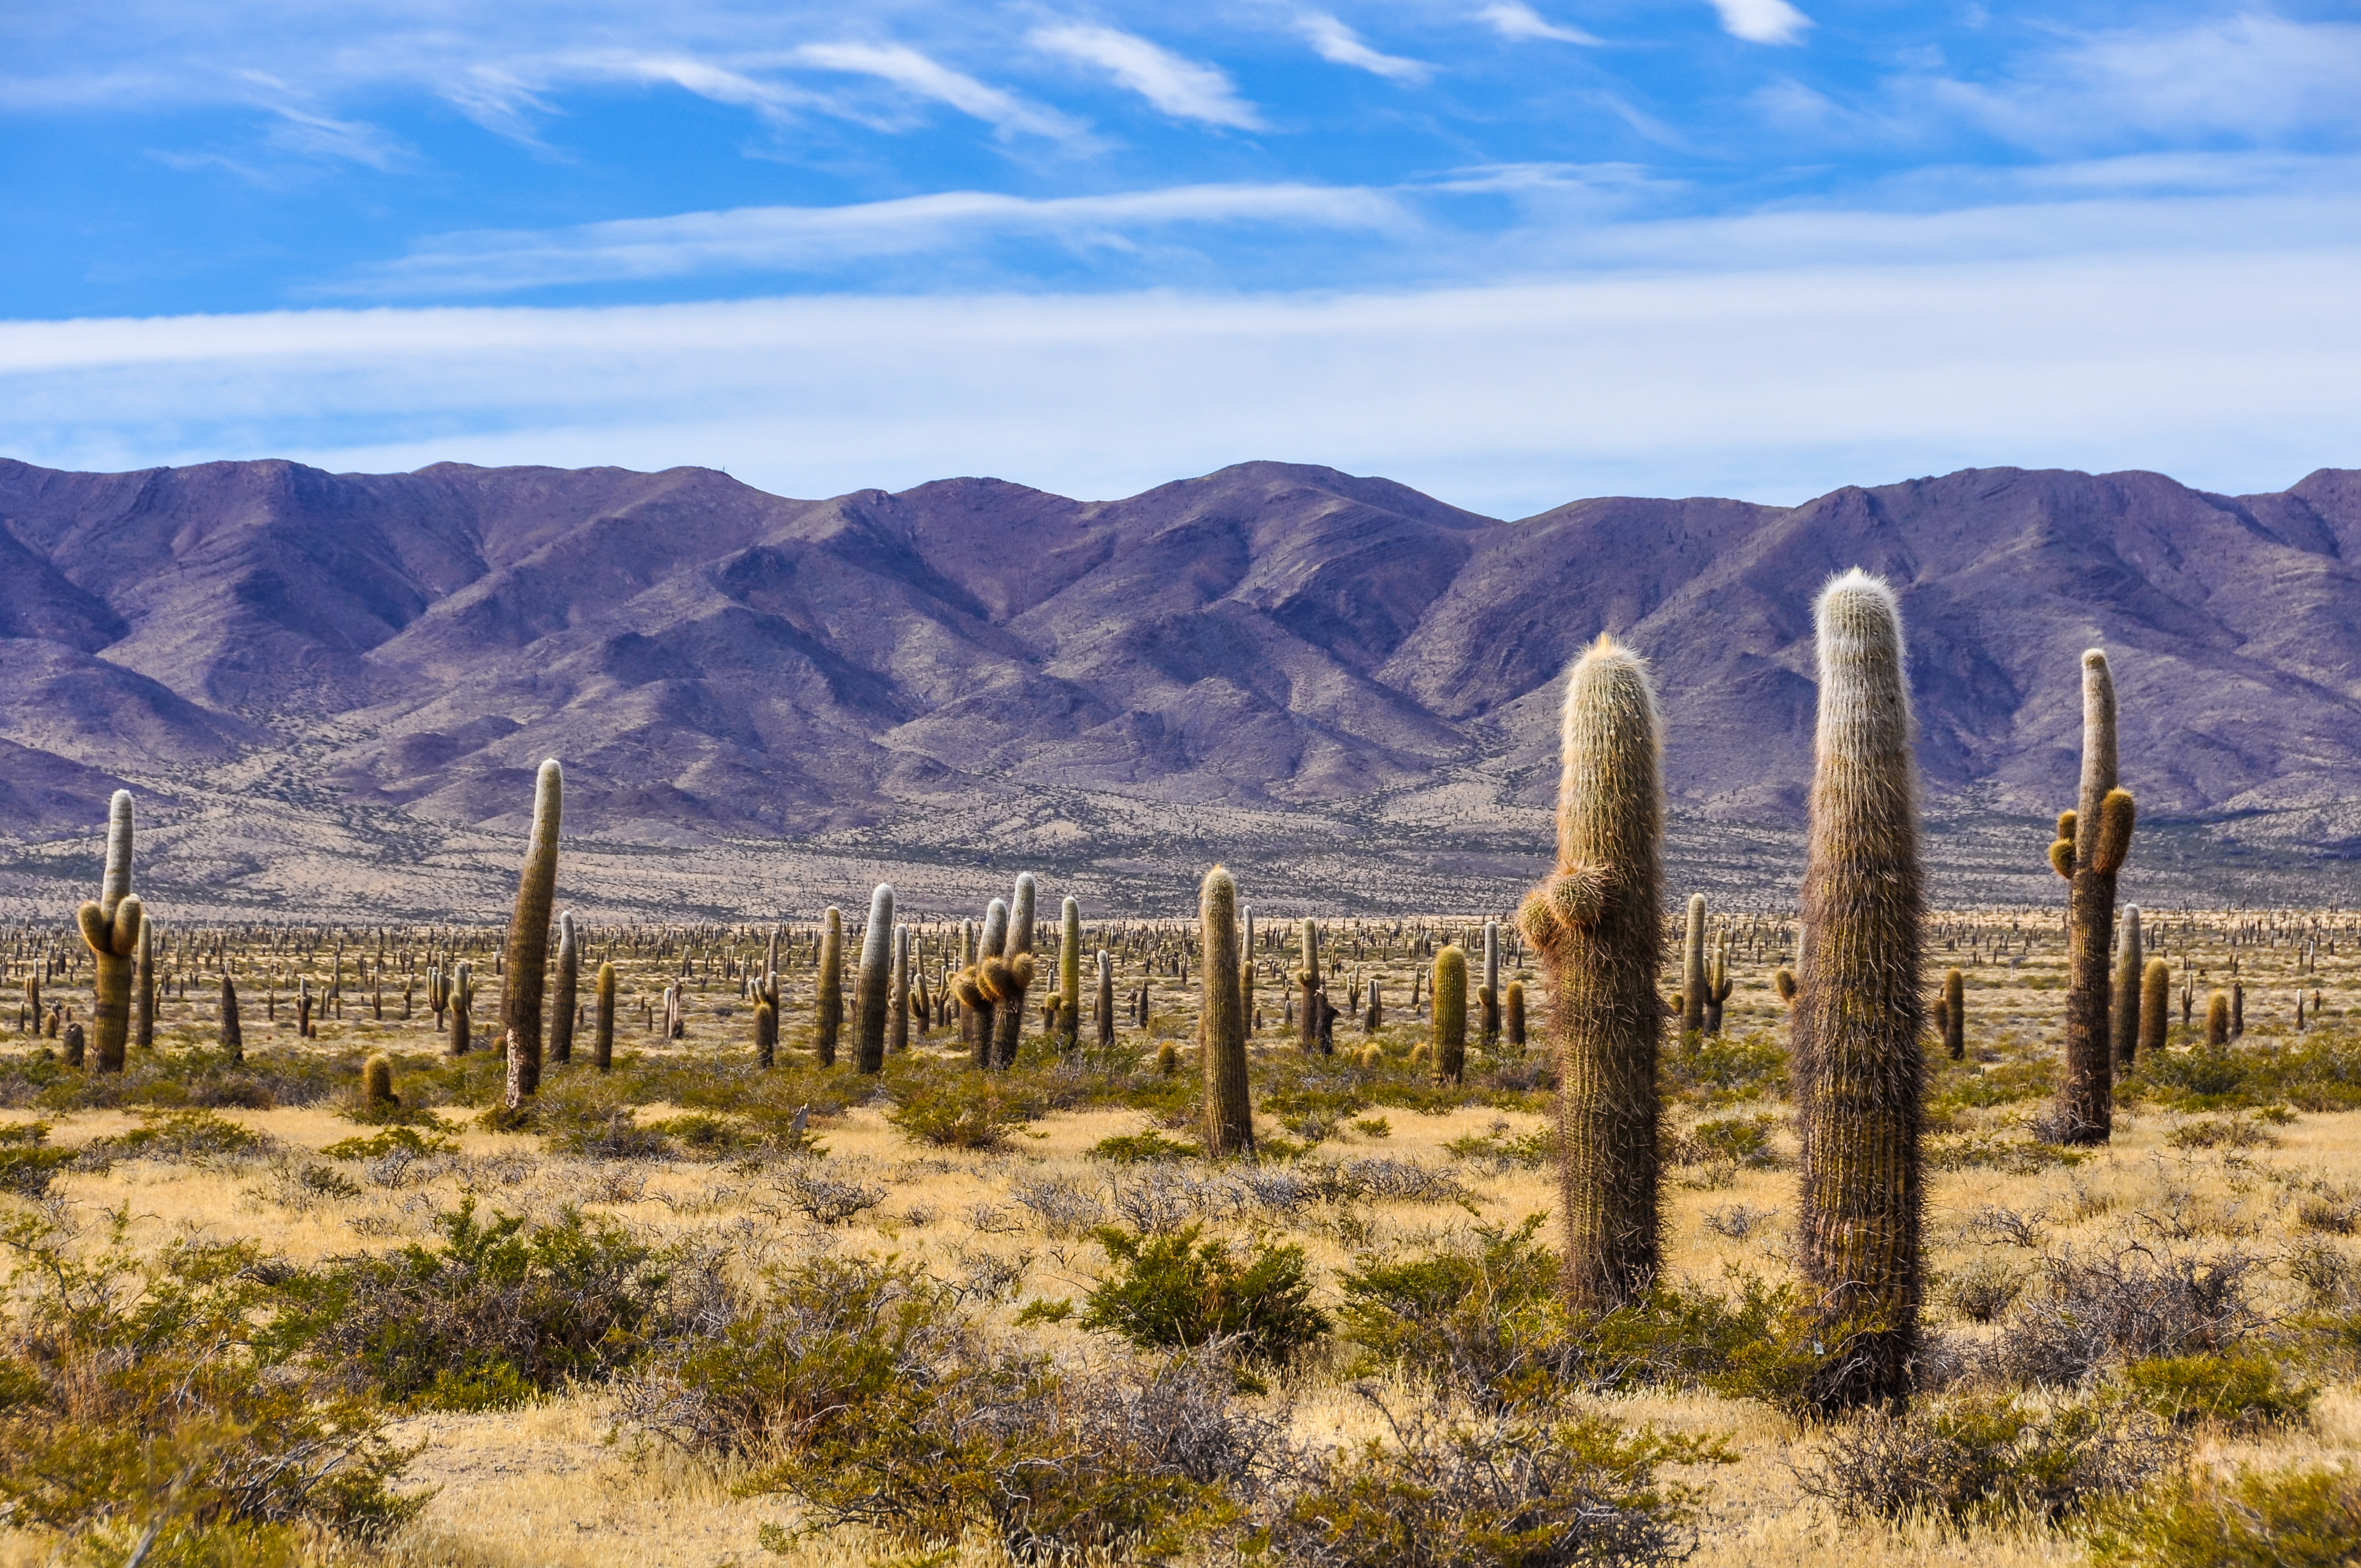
1451,1014
1007,981
463,1007
828,1008
1308,989
562,1004
1717,983
603,1042
526,973
111,928
1598,925
767,1020
975,1001
875,981
2092,841
1221,1031
1860,1010
2129,965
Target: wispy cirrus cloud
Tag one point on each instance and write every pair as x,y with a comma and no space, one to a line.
1762,21
1516,20
1333,41
1183,88
791,240
907,69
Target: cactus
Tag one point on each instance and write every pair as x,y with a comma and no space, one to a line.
827,1007
1375,1018
1596,924
1007,981
1451,1014
1692,982
76,1048
525,962
304,1029
1516,1012
1308,989
1106,1000
1246,968
2217,1020
1222,1027
111,928
1168,1060
463,1007
874,981
603,1039
1488,996
566,998
975,1002
1717,983
1859,1012
2155,1006
1955,1014
766,1022
233,1038
1373,1057
143,988
897,1016
2129,965
1783,982
1070,975
377,1084
438,994
2238,1009
2092,840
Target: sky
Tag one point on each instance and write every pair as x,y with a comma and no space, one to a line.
1512,252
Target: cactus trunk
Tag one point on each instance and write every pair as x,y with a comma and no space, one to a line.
1009,981
143,990
1229,1115
873,983
828,1006
2155,1006
1859,1012
1692,973
233,1038
1450,1014
2090,850
1307,982
2125,1023
1955,1007
566,996
111,928
897,1016
525,970
603,1039
1106,1000
1070,975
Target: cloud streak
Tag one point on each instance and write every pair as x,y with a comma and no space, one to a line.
915,73
1185,89
1762,21
1333,41
1517,21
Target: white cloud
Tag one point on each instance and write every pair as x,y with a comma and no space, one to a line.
1762,21
1336,42
1185,89
907,69
1515,19
2229,371
813,238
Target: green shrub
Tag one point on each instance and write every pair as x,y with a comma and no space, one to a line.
964,1111
196,1136
492,1315
26,1166
136,1390
1499,1493
1726,1069
2255,1519
1988,1458
1503,1149
1180,1293
394,1141
1742,1140
1140,1148
2246,1386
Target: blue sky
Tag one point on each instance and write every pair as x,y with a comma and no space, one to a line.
1511,252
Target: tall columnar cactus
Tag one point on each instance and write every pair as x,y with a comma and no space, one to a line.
1221,1029
143,988
2125,1024
1070,975
562,1004
377,1084
525,972
975,1000
897,1015
1516,1014
1692,998
2238,1009
463,1007
438,994
1598,925
1488,997
2155,1006
2092,841
1308,989
1718,982
233,1038
828,1005
1451,1014
1246,968
1106,1000
1859,1011
766,1022
875,981
1955,1014
1007,981
111,927
2217,1020
603,1041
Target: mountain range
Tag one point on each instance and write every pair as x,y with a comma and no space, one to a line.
333,688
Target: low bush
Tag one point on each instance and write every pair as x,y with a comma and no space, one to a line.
2254,1519
2128,1305
493,1315
1726,1069
1742,1140
196,1136
1987,1458
28,1165
1177,1292
1137,1149
2248,1387
962,1111
1501,1148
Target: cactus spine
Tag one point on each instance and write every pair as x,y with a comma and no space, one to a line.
2129,965
111,928
2155,1006
1692,973
828,1006
1229,1116
1070,975
377,1084
566,997
1451,1014
1596,923
1859,1011
526,965
876,979
2092,840
603,1041
1955,1011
